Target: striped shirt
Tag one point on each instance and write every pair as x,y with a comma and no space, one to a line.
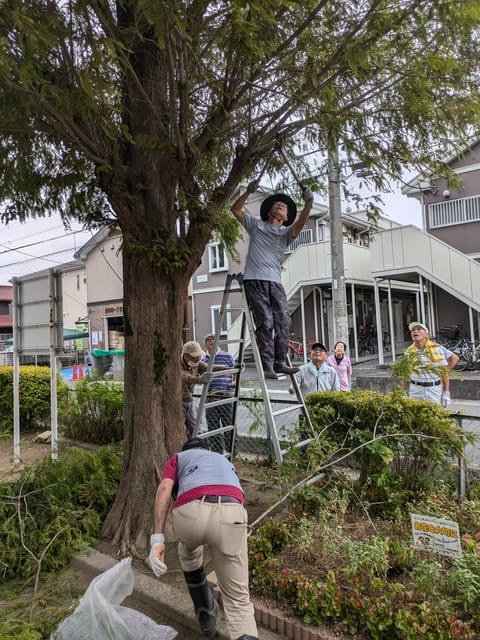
221,385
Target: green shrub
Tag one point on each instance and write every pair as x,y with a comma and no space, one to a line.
402,446
58,507
34,397
93,411
437,600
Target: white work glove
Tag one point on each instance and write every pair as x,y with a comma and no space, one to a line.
445,399
307,196
157,541
252,186
205,378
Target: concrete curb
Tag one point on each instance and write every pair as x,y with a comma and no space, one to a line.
177,605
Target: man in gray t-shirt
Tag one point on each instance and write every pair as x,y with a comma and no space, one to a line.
269,237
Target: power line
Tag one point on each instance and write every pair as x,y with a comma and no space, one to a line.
33,244
31,258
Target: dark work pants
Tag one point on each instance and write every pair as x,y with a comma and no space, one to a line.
268,303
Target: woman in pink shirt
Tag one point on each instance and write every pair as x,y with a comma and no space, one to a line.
342,365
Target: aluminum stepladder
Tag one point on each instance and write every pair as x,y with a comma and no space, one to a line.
247,323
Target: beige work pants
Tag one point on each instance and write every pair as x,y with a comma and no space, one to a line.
223,527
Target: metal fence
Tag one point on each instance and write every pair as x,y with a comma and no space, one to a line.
469,464
253,439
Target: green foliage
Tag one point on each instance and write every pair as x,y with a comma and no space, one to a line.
367,558
35,617
34,397
93,411
401,445
438,600
55,509
411,361
463,582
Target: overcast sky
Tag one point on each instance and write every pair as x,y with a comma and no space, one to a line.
41,244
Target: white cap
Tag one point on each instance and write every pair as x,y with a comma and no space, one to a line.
193,349
412,326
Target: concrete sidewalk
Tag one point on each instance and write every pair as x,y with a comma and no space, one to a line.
176,606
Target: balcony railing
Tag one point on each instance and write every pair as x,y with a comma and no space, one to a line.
304,237
444,214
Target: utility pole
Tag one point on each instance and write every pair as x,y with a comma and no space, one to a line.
340,320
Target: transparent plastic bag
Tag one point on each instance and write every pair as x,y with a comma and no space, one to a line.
99,615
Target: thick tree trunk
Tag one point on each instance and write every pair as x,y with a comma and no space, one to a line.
154,430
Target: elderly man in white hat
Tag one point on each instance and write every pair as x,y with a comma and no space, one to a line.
424,384
194,371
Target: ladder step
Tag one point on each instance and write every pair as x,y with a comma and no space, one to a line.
293,407
246,341
224,372
219,402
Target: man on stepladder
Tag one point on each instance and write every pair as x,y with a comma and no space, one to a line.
269,237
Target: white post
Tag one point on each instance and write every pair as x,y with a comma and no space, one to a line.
322,317
390,322
304,329
354,317
16,373
378,315
53,368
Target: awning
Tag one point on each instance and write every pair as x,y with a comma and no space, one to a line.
68,334
73,334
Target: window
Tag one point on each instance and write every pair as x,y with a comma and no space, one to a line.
227,320
217,258
450,212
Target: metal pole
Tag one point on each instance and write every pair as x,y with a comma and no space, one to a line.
322,316
378,315
304,336
53,367
315,313
390,321
16,371
354,319
422,300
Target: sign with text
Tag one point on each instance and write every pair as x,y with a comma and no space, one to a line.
436,534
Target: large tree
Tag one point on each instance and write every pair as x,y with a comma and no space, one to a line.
147,114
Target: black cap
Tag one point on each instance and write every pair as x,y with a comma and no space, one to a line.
318,345
267,204
195,443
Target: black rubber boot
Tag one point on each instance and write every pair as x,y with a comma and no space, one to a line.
206,607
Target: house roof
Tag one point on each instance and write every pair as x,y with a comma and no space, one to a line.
61,268
422,182
94,241
6,293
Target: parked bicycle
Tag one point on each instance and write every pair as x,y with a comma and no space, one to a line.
449,335
469,353
386,341
366,341
295,347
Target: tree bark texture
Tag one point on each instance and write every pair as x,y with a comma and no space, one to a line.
154,429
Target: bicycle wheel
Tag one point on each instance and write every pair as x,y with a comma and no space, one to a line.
467,356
